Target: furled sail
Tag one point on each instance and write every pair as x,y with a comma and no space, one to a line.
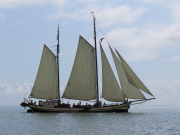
129,91
45,86
132,77
110,87
82,81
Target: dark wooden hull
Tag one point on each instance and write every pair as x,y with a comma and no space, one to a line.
115,108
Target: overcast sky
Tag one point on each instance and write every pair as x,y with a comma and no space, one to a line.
145,32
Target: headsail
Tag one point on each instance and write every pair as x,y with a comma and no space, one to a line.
132,77
45,86
110,87
82,81
128,89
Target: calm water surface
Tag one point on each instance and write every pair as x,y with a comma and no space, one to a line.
147,120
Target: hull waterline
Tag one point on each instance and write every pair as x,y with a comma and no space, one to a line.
116,108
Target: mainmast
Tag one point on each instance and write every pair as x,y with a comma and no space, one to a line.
59,100
97,89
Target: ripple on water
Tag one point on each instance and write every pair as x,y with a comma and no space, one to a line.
15,120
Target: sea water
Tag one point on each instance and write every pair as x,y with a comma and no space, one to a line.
144,120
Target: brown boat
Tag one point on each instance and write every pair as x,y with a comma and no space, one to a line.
83,82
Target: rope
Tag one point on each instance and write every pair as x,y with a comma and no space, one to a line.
90,31
138,103
103,33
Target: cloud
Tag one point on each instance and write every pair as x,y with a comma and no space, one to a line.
19,22
154,1
4,88
175,58
159,86
96,0
143,42
171,4
24,88
107,14
2,17
165,91
119,14
87,1
4,4
16,93
175,6
62,88
18,89
146,41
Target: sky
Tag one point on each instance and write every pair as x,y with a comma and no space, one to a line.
145,32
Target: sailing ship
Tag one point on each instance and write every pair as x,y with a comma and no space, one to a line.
83,82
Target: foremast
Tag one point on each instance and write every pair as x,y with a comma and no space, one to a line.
97,88
59,100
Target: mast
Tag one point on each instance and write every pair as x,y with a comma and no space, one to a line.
59,101
97,89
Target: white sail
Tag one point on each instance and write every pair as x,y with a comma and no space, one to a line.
110,87
82,81
132,77
45,86
129,91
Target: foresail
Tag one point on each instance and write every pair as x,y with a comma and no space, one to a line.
110,87
45,86
132,77
82,81
129,91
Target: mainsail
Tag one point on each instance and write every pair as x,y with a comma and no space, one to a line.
132,77
128,89
110,87
82,81
45,86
